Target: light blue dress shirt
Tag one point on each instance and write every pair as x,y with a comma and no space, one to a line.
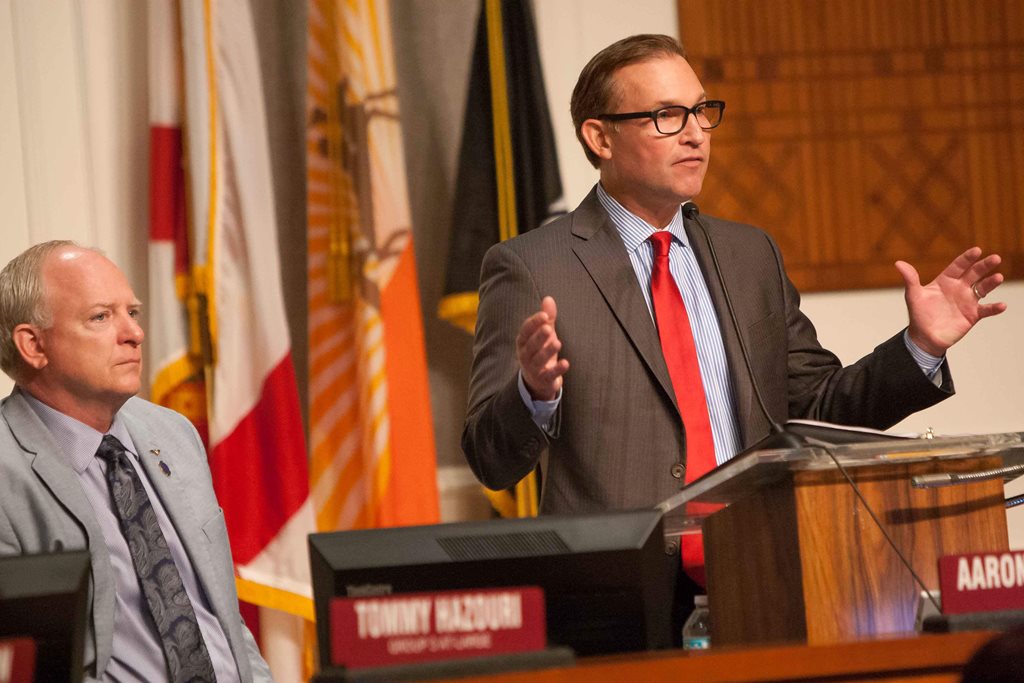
704,324
137,655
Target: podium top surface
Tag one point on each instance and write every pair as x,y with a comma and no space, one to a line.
751,471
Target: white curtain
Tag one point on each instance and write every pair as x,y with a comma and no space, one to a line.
73,129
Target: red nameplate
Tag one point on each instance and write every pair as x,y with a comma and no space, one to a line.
422,627
982,582
17,660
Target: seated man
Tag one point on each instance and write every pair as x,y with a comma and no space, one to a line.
85,464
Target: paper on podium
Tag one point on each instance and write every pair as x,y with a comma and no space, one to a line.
758,467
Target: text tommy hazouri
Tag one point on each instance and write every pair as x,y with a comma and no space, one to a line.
462,613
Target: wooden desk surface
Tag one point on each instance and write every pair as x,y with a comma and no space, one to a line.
921,659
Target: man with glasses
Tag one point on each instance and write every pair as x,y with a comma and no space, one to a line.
605,350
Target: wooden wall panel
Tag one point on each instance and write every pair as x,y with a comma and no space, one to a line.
865,131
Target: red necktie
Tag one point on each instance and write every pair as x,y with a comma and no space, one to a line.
680,353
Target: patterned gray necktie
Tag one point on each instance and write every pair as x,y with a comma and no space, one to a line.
184,649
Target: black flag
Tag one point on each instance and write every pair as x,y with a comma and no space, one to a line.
508,178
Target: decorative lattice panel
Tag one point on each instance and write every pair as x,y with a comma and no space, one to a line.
865,131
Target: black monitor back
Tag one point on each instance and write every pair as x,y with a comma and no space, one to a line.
605,576
45,597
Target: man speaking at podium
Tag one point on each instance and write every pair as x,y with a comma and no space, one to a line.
606,346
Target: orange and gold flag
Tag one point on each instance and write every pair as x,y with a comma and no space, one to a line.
371,434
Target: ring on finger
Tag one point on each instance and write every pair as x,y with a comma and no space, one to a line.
977,295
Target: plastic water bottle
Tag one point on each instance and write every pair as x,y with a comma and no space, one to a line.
697,629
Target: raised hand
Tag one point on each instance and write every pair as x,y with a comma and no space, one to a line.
537,347
944,310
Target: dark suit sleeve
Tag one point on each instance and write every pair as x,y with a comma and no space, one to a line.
501,442
877,391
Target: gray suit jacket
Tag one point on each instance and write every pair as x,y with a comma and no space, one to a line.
43,509
618,431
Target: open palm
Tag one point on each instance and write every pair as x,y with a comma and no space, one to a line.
944,310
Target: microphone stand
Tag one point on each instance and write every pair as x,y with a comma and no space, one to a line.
781,437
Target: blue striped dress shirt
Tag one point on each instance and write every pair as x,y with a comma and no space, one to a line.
707,334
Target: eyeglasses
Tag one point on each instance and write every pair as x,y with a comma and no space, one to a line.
671,120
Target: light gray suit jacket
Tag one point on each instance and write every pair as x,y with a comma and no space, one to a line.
43,508
618,430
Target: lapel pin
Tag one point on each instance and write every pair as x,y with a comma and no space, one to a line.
165,469
155,451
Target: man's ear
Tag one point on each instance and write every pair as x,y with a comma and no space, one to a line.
596,135
29,342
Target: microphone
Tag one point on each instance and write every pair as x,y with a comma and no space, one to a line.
931,481
779,436
691,211
794,434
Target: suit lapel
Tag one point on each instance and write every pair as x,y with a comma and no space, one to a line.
731,265
171,486
601,252
49,465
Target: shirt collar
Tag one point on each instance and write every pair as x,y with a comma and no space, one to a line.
634,230
77,440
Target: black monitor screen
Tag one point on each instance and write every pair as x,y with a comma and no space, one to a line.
605,576
45,598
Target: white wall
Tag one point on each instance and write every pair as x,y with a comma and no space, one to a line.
987,365
73,129
569,33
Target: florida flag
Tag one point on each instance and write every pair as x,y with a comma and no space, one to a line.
257,449
175,355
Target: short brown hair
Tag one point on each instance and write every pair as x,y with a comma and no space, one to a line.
595,91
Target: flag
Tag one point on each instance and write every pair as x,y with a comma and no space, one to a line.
257,449
508,180
371,435
176,378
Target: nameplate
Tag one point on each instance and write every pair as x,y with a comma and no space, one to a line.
982,582
422,627
17,660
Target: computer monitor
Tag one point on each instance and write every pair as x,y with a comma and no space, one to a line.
45,597
605,576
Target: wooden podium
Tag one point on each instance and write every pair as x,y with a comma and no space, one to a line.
796,556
